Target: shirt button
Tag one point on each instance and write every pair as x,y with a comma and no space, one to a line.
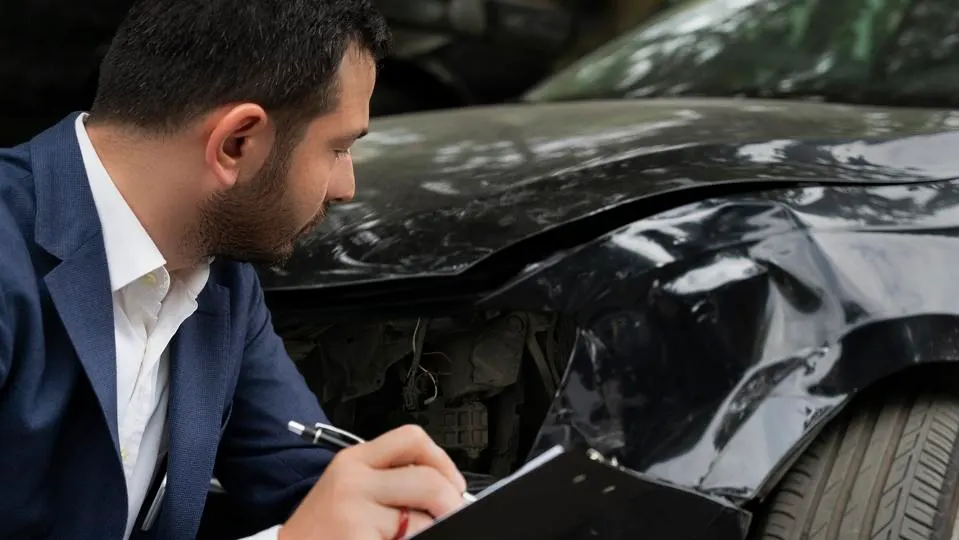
123,454
150,279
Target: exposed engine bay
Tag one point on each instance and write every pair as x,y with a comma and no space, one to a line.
478,384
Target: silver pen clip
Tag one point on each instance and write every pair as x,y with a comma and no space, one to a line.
154,509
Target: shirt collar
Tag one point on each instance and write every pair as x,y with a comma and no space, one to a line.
131,253
196,280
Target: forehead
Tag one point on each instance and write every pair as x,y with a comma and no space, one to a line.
357,72
356,78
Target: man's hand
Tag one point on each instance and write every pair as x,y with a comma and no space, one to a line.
363,490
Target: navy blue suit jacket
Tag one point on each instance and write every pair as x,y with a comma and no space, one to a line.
233,387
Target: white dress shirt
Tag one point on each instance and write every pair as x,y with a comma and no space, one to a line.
149,305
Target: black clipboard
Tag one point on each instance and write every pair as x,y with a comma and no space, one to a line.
558,492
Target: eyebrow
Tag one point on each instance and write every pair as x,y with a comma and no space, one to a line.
353,136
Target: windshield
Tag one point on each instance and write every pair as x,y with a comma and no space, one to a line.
844,50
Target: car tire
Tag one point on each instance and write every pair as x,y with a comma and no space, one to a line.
886,468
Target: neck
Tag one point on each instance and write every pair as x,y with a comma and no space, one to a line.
149,173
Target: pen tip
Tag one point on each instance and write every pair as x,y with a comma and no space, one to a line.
296,427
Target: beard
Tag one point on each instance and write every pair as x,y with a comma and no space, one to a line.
255,222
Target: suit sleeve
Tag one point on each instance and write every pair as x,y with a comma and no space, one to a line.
6,336
14,248
266,470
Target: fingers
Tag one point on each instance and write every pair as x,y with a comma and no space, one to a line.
418,487
361,491
409,445
387,521
418,522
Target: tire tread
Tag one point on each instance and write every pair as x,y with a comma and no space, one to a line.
878,472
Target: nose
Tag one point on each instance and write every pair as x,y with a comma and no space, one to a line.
343,186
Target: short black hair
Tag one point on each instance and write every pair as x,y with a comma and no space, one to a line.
174,60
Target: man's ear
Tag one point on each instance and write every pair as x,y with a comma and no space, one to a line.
238,143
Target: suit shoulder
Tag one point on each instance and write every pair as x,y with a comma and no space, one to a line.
17,192
17,217
15,163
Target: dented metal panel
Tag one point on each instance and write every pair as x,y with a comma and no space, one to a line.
716,338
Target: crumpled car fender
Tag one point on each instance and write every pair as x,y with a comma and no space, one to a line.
717,339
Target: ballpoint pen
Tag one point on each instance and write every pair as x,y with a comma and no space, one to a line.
324,434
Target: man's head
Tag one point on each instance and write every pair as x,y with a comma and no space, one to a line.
266,95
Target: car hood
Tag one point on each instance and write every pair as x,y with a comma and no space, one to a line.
439,191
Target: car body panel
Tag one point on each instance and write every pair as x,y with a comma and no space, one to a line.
716,339
439,192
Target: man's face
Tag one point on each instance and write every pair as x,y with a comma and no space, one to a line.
261,220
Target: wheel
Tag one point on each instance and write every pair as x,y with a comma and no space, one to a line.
888,468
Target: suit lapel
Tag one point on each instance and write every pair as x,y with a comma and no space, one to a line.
80,288
68,227
201,363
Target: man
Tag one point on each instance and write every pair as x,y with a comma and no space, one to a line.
134,340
